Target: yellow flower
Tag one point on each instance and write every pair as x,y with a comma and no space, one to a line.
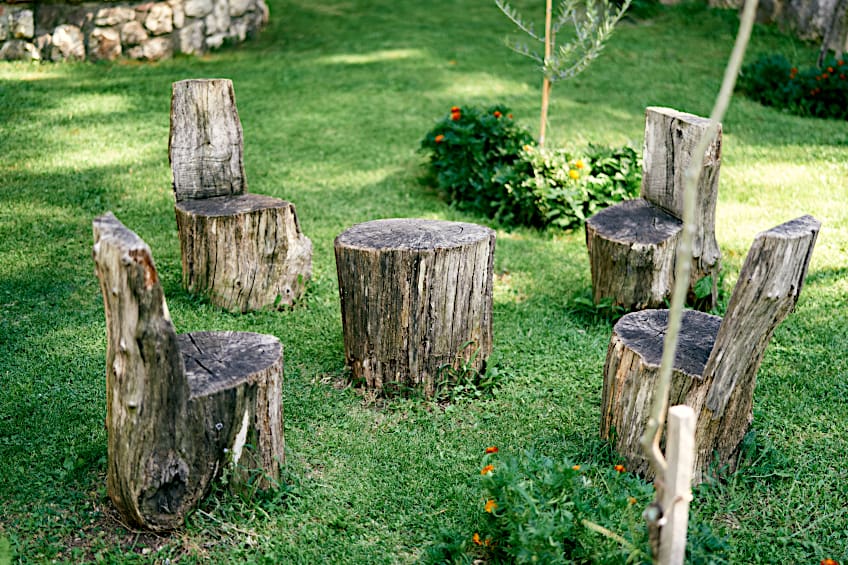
579,164
490,505
575,468
476,539
619,468
487,469
631,500
573,174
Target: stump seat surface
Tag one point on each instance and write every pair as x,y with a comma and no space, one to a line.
216,361
635,221
411,234
644,332
218,206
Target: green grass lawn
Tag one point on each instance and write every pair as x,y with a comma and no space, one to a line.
334,98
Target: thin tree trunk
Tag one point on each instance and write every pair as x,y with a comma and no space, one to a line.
546,82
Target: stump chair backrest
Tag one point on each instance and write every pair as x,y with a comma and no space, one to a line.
768,288
141,341
206,147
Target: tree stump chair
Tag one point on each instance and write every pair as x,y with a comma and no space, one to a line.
717,359
245,251
632,245
416,299
179,408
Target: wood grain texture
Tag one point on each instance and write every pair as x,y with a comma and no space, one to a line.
206,146
633,245
717,359
178,406
416,297
244,252
671,138
632,254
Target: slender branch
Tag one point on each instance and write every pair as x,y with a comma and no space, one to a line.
651,439
512,14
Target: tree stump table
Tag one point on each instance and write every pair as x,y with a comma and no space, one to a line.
632,245
245,251
416,300
716,362
179,408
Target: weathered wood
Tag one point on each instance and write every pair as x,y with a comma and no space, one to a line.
206,142
716,361
677,493
632,369
670,141
631,254
416,297
633,245
245,251
178,407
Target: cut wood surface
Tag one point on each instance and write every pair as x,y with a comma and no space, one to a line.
717,359
179,408
632,252
416,298
206,142
244,251
633,245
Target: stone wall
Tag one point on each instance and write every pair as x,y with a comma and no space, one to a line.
148,30
807,19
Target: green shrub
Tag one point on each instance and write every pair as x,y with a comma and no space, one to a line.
541,510
484,162
772,81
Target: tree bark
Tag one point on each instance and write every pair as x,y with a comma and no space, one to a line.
245,252
717,359
416,299
631,254
178,408
670,141
206,146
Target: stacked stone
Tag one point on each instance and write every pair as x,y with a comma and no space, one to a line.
147,31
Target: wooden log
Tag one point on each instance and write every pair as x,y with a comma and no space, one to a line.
416,298
670,141
244,252
632,369
632,249
178,408
206,142
767,290
716,361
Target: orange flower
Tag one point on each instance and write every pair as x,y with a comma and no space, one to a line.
509,116
575,468
840,62
487,469
573,174
828,561
454,109
830,69
490,505
492,449
631,500
579,164
619,468
455,116
497,114
439,138
476,539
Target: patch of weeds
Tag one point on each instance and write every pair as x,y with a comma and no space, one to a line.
605,311
465,383
703,289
